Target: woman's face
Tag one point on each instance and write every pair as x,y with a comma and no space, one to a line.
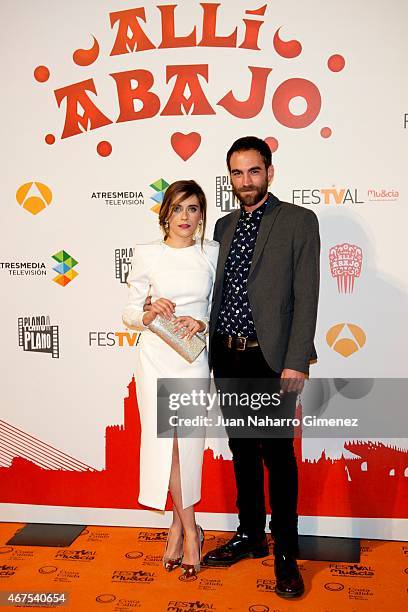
184,217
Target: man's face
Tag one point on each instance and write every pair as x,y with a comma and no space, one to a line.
249,177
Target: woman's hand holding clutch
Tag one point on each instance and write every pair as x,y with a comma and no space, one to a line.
190,325
165,308
162,307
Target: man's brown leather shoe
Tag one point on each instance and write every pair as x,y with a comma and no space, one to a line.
239,547
289,582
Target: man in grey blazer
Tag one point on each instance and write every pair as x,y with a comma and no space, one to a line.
262,325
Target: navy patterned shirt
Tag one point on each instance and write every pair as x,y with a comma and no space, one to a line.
235,316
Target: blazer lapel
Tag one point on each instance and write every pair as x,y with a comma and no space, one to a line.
267,221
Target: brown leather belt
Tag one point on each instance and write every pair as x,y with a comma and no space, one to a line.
238,343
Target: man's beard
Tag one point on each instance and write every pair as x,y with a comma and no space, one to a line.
251,196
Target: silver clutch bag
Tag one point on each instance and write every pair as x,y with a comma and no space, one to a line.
189,349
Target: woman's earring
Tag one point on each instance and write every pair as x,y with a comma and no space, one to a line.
166,225
197,234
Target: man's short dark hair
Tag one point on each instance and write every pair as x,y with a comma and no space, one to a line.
251,142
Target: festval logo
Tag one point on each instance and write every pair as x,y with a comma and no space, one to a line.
345,261
191,88
326,195
34,197
346,338
160,187
65,266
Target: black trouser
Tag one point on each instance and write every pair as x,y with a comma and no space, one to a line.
250,455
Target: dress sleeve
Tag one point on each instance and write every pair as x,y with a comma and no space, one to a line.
139,285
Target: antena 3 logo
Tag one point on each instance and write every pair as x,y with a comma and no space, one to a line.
34,197
346,338
224,196
37,335
331,195
123,263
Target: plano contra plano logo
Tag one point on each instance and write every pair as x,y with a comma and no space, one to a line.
224,196
123,263
37,335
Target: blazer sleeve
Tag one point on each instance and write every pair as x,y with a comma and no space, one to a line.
217,231
139,284
306,276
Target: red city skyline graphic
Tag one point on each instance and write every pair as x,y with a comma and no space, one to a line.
32,472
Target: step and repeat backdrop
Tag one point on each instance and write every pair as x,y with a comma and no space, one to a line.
104,105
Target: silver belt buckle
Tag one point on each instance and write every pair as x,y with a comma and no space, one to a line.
240,343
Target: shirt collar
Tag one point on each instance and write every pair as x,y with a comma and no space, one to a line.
256,214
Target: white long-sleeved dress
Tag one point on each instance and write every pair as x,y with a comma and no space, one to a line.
186,277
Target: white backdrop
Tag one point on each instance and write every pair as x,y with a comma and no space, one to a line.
67,402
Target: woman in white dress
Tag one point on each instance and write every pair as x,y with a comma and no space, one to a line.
178,272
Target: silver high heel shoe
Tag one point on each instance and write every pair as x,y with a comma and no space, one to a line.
188,570
170,563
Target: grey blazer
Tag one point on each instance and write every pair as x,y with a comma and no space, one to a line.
283,283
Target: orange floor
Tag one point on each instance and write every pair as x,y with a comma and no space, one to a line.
119,570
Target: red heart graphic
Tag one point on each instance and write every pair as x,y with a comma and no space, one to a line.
185,145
